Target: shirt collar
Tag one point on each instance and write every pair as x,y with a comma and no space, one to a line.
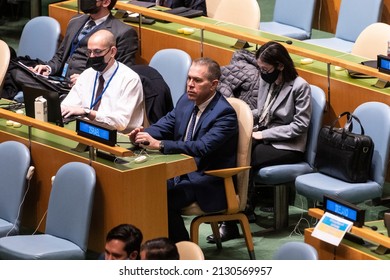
203,106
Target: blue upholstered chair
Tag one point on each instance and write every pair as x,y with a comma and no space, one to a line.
67,223
354,16
281,177
295,250
292,18
39,38
173,65
315,185
14,165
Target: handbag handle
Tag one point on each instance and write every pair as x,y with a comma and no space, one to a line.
349,125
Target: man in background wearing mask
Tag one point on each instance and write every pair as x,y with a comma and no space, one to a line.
108,91
70,58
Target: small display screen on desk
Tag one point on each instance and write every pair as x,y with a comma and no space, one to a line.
384,64
344,209
96,131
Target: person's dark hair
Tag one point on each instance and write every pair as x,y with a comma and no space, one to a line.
213,68
129,234
160,249
112,5
274,53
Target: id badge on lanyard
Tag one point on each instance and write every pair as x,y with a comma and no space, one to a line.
65,70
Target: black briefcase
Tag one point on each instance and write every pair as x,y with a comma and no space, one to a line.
343,154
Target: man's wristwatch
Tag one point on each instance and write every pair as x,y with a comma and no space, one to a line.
161,147
87,111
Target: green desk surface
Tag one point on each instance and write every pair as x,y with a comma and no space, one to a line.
369,247
66,145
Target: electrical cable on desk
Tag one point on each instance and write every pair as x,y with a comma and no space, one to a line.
12,106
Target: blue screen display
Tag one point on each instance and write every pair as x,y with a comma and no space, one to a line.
342,210
385,64
95,131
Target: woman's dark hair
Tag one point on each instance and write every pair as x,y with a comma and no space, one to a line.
274,53
160,249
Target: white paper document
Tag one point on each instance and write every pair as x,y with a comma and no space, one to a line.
332,228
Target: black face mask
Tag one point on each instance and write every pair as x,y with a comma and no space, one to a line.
97,63
270,77
88,6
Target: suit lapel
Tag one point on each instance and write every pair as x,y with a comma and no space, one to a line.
283,94
207,111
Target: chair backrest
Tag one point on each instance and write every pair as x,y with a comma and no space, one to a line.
295,250
212,6
39,38
240,12
372,41
70,203
297,13
318,102
245,127
14,164
189,251
355,15
4,61
173,65
370,115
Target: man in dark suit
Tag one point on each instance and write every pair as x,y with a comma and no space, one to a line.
212,141
71,56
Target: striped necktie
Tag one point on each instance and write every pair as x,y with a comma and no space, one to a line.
86,29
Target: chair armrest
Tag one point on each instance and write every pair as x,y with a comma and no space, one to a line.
232,199
227,172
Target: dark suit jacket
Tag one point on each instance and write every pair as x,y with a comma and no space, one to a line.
126,42
157,95
214,145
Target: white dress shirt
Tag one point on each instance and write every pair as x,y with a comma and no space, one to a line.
122,103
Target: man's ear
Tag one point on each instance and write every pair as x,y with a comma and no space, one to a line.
133,255
106,3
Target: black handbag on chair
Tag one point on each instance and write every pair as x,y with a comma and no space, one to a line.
343,154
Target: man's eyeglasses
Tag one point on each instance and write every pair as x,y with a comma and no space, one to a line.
96,52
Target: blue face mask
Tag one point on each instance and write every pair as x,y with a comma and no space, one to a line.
270,77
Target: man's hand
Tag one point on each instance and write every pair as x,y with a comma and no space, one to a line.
68,111
73,79
257,135
132,135
142,138
42,69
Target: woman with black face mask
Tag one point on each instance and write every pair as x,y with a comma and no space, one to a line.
284,113
284,107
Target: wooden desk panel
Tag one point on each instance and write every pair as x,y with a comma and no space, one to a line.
328,251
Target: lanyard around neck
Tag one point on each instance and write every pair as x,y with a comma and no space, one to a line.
93,103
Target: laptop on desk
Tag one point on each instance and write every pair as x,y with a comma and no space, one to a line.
53,104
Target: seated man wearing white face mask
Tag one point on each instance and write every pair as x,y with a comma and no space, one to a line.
107,91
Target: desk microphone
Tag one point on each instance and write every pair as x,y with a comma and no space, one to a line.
288,42
374,228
